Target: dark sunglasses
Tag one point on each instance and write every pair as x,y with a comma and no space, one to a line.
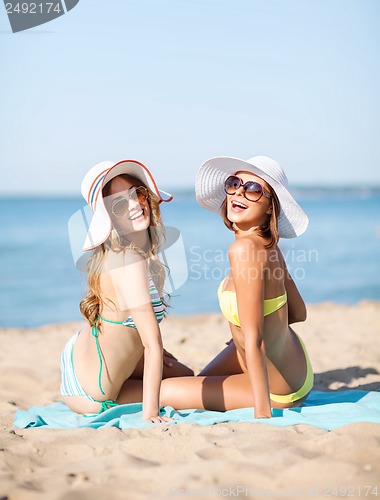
253,191
121,207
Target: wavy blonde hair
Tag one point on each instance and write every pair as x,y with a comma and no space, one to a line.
92,304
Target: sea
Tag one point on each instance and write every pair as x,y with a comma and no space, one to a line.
42,279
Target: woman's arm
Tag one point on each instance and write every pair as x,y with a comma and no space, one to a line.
247,268
132,291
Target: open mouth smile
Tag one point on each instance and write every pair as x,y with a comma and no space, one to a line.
138,216
237,206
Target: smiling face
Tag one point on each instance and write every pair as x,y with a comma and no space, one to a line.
246,214
127,206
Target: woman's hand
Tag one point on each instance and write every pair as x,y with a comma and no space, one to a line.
168,357
157,419
262,415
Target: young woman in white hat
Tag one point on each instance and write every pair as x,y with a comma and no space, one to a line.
118,356
265,365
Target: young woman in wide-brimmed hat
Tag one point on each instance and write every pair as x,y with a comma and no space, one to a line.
117,357
266,364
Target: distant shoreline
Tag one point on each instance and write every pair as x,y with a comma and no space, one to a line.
297,190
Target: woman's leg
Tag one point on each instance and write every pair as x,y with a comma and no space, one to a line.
132,389
230,389
227,362
176,370
220,393
131,392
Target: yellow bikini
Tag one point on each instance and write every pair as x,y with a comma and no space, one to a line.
228,305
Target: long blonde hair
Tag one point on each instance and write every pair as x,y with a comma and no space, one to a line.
92,304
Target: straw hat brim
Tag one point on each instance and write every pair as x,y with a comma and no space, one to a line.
209,191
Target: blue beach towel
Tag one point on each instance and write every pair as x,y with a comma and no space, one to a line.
326,410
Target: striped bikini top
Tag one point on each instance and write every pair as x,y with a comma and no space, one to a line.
158,307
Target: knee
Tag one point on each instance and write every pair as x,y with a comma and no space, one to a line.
164,392
170,391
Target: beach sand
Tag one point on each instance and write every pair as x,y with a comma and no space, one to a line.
187,461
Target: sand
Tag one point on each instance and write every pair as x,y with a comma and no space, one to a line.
188,461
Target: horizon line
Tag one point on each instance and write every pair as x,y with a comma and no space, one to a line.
190,189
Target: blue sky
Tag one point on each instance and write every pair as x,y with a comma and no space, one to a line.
174,82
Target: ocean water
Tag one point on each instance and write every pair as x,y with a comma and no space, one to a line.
337,259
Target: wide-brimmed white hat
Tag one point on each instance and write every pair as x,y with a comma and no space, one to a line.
92,186
209,188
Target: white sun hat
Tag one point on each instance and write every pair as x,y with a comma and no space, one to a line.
92,186
209,188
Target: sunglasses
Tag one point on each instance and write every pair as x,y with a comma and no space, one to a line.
253,191
121,207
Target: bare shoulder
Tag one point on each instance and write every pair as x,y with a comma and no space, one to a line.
242,245
118,260
248,249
